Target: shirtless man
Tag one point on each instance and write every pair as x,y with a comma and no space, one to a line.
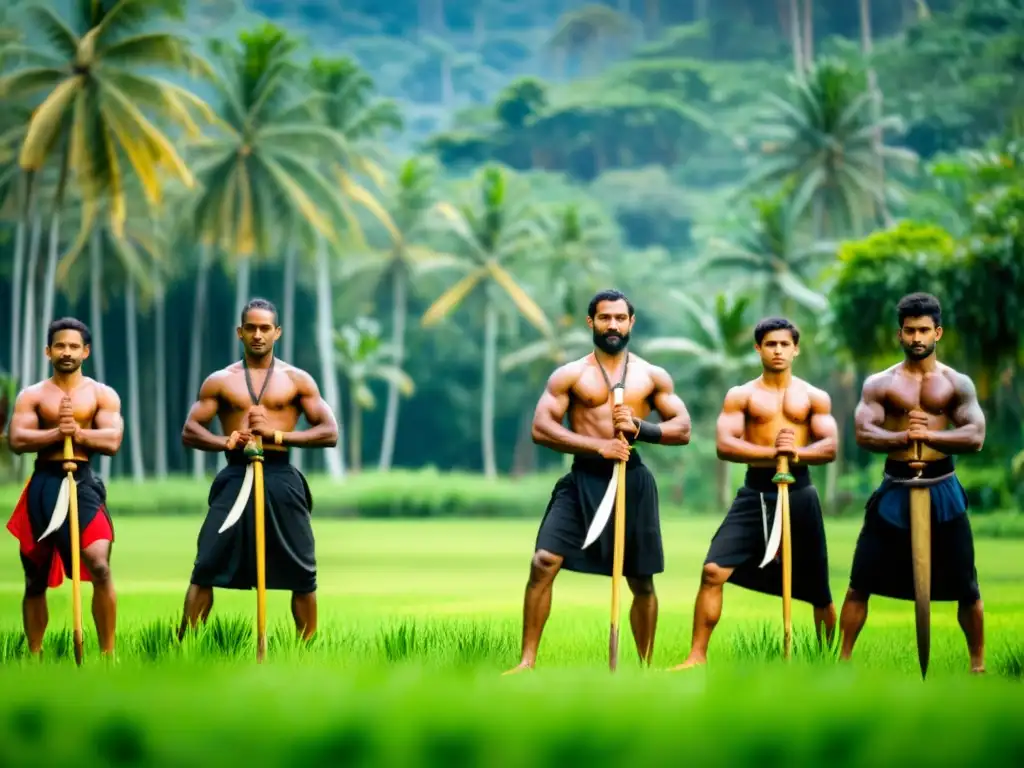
583,390
911,404
264,396
68,404
774,415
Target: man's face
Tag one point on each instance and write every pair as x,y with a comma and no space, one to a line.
611,325
259,332
918,336
777,351
67,351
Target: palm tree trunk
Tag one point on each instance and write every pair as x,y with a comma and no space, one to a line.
131,320
399,310
876,105
243,279
288,322
652,18
18,278
808,34
50,283
355,433
97,354
161,375
28,337
196,352
794,36
487,392
325,348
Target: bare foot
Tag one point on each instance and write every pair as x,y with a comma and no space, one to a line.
978,670
691,661
523,667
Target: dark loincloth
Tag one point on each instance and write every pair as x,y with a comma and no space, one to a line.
882,563
574,501
740,540
47,562
228,560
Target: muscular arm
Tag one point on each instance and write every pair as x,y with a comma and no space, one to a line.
26,436
548,429
730,428
323,430
869,417
824,431
195,434
108,428
968,433
675,419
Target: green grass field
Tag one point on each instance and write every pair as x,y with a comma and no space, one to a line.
417,620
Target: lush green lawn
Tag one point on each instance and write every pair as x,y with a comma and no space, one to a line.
419,617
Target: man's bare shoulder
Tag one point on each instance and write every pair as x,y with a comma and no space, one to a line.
302,379
565,376
31,395
962,383
213,383
105,394
879,382
660,375
738,396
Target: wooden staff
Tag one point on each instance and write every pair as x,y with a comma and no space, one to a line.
921,559
782,480
619,551
255,452
76,552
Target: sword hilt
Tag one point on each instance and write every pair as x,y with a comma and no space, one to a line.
254,449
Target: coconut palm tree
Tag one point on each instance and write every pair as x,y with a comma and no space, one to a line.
821,138
261,167
769,255
495,230
409,199
90,111
362,357
346,106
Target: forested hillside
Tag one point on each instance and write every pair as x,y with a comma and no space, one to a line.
431,191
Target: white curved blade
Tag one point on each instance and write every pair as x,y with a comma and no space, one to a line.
604,510
772,547
239,506
60,509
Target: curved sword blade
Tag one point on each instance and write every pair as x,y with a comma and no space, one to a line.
771,548
60,509
604,511
242,499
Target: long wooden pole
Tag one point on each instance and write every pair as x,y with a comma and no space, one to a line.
76,552
782,480
618,555
261,552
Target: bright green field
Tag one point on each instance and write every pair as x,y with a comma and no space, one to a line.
417,618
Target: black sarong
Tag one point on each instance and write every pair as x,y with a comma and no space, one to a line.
47,562
228,560
740,540
882,563
574,501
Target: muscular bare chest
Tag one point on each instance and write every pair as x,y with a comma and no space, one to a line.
83,402
591,392
933,394
789,408
280,393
